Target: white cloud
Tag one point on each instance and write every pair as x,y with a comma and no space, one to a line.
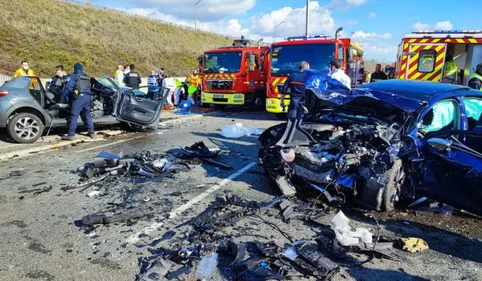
321,21
231,27
356,2
372,15
444,25
360,35
441,25
376,45
207,10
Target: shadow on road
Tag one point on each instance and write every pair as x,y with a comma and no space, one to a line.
438,239
363,273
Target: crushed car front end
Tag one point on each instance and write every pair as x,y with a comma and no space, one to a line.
349,146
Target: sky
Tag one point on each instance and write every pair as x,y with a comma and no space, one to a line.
378,25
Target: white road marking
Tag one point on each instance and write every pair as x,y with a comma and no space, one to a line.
174,213
121,141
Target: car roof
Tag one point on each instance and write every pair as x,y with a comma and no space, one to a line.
418,90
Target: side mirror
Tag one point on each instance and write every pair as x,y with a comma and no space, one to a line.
252,62
439,144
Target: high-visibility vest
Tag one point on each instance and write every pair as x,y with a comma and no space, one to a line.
475,75
450,70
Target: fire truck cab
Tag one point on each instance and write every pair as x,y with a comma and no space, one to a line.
422,54
231,75
283,58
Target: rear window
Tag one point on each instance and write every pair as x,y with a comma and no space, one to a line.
426,61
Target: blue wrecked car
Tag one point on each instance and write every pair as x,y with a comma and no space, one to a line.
381,144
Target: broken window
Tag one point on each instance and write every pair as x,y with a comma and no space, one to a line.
441,117
473,110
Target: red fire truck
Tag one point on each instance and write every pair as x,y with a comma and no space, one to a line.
231,75
283,58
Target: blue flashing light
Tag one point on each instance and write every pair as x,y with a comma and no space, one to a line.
307,37
185,107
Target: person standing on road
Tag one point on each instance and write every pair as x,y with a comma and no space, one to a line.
57,84
79,86
132,79
194,80
475,81
450,71
119,75
378,75
153,85
296,84
338,74
24,70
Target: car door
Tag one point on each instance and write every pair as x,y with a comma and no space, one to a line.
138,110
452,171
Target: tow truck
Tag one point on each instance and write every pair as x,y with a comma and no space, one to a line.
284,57
231,75
422,54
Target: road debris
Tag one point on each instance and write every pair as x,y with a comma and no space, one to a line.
17,172
238,130
205,245
413,244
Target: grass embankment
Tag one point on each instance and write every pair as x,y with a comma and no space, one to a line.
49,32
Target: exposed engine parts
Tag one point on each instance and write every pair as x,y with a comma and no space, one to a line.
351,159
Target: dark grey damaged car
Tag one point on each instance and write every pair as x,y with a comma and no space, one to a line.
382,144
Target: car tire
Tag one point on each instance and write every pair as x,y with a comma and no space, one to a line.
396,180
25,128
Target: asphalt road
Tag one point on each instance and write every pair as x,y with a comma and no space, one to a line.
40,239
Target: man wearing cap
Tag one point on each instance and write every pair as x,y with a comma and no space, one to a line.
79,87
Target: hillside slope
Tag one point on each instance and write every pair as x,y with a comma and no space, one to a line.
49,32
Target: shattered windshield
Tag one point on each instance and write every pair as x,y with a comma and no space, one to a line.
286,59
227,62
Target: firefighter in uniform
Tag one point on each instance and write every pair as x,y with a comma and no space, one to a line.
450,71
475,81
296,84
79,87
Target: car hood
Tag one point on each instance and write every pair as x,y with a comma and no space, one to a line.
325,92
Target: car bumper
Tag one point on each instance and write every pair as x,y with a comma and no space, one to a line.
273,105
214,98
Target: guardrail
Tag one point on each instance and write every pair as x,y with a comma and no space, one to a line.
4,78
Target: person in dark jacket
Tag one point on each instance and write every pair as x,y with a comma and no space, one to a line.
296,84
132,79
378,75
79,88
58,83
475,81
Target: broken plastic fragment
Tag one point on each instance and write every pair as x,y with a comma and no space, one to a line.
345,236
290,253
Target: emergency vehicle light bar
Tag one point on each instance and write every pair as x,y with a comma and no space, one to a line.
447,32
307,37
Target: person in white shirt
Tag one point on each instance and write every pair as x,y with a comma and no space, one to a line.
338,74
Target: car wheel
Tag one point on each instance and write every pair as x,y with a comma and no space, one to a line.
396,180
25,128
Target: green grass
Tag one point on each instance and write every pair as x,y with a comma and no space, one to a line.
48,32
